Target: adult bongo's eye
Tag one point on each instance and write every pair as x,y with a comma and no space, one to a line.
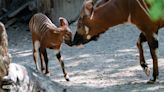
79,25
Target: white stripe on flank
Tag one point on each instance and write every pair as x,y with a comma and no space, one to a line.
143,7
86,29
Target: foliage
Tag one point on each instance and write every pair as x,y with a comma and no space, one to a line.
156,10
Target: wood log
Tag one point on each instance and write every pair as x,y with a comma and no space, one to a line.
4,10
12,14
4,16
10,22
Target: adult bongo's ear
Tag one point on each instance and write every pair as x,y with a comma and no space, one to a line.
88,7
63,21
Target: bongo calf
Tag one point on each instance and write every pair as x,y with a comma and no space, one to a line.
46,35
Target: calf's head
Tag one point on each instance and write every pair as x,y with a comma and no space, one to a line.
66,31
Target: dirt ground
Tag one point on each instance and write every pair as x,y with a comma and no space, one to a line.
110,64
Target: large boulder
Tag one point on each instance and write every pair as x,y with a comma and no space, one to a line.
26,79
70,9
4,55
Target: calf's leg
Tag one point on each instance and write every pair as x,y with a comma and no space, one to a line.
59,57
46,62
36,47
43,59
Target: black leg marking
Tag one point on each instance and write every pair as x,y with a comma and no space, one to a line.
142,38
58,55
46,61
153,44
41,59
143,64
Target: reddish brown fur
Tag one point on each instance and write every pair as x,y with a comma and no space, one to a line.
47,35
109,13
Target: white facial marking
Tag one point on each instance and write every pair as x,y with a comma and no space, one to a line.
88,37
86,29
155,36
92,16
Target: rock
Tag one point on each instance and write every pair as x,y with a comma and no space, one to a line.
25,79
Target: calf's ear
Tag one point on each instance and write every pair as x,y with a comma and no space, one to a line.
63,21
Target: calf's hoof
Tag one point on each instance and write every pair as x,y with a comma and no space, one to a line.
47,74
67,78
43,71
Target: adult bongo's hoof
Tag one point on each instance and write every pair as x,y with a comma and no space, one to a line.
67,80
151,81
47,74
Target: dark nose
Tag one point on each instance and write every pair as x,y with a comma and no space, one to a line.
78,39
68,38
